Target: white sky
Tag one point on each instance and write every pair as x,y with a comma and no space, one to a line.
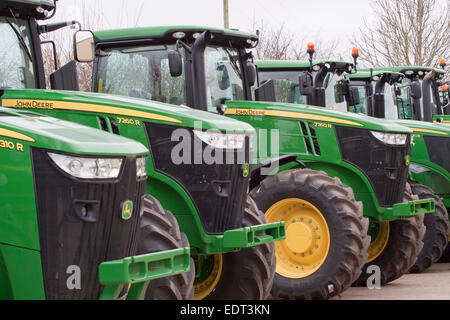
330,20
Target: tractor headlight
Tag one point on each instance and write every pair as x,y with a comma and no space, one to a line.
221,140
88,168
390,138
141,167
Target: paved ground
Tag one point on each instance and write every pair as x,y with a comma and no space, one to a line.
433,284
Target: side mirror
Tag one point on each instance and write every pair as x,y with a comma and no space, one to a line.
266,92
338,93
439,120
416,90
251,73
305,84
84,46
354,96
175,63
222,77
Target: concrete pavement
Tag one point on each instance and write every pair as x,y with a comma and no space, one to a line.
433,284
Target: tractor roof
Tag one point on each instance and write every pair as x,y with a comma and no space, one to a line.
364,74
166,33
300,65
27,7
410,71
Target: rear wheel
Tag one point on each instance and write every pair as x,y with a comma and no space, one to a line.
326,233
243,275
437,228
159,231
395,246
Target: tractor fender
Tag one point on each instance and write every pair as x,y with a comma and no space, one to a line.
259,171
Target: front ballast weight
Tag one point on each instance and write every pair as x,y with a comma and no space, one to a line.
137,271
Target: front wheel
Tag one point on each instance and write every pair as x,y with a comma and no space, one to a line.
395,246
243,275
326,233
159,231
437,228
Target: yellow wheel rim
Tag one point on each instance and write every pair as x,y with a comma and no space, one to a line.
307,241
203,288
378,244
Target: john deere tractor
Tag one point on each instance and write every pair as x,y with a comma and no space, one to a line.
411,97
328,165
332,90
198,166
73,213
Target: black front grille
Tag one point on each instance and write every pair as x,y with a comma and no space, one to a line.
438,150
69,238
218,189
384,165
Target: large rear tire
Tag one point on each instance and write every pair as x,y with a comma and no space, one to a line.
395,246
326,233
437,229
243,275
159,231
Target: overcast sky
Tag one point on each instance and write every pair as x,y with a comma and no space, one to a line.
327,19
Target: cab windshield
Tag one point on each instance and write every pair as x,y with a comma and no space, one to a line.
16,65
404,101
330,84
140,72
287,89
223,76
390,102
286,85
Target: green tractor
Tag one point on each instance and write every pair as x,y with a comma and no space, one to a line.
329,164
72,214
361,95
409,95
198,166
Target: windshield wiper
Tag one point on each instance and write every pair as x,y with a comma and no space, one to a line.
19,36
233,63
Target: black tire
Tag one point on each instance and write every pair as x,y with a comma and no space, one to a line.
437,228
347,227
159,231
247,274
445,255
402,249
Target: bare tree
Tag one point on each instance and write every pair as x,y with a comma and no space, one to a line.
404,32
277,43
91,18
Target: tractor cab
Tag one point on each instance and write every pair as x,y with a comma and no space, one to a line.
383,95
429,106
319,83
18,27
157,63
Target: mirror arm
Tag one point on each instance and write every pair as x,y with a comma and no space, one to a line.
186,47
45,28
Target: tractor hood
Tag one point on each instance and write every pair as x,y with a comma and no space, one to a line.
421,127
287,110
182,116
50,133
